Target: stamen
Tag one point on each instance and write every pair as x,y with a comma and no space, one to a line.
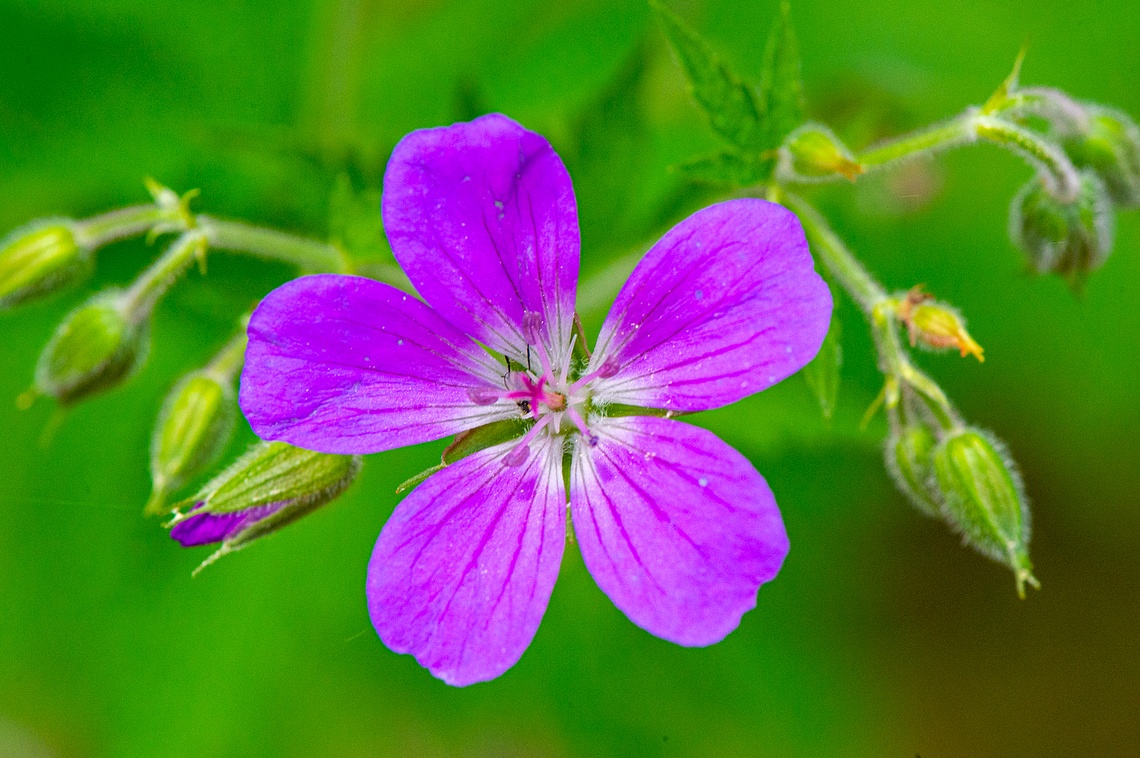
521,450
590,437
608,368
531,328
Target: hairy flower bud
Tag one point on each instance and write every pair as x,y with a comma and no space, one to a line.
1070,239
984,499
908,453
96,347
1110,146
40,259
272,485
814,153
936,325
193,428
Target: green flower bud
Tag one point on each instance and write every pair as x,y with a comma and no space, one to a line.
40,259
984,499
193,428
909,457
96,347
272,485
814,153
1070,239
1110,146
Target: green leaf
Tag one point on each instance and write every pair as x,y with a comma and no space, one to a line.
355,225
730,104
822,374
733,169
781,87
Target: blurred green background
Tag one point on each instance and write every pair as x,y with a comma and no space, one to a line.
881,637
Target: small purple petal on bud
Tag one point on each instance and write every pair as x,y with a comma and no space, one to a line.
484,395
272,485
531,327
517,456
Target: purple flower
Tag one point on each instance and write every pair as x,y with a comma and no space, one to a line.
677,528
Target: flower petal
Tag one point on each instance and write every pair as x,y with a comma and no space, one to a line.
464,568
482,218
725,305
342,364
675,526
205,528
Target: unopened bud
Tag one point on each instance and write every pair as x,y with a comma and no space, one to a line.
1070,239
936,325
984,499
909,457
40,259
95,348
272,485
193,428
1110,146
814,153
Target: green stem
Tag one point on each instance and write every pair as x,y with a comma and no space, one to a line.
228,361
879,307
270,244
956,131
842,265
140,298
106,228
1064,182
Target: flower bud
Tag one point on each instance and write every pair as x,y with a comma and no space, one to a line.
40,259
984,499
1110,146
193,428
908,454
936,325
1070,239
270,486
96,347
814,153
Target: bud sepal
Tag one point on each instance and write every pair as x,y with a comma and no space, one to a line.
812,153
40,259
95,347
936,325
984,499
1070,239
269,487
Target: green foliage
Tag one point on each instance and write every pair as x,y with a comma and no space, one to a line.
733,108
823,373
755,120
355,225
727,168
781,84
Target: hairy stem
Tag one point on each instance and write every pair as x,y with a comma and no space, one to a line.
957,131
880,308
843,266
228,361
141,297
238,237
131,221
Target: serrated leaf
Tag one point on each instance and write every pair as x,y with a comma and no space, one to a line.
822,374
729,103
781,85
730,168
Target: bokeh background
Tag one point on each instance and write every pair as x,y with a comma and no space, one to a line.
882,635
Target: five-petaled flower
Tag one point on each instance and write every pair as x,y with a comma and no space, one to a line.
676,527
